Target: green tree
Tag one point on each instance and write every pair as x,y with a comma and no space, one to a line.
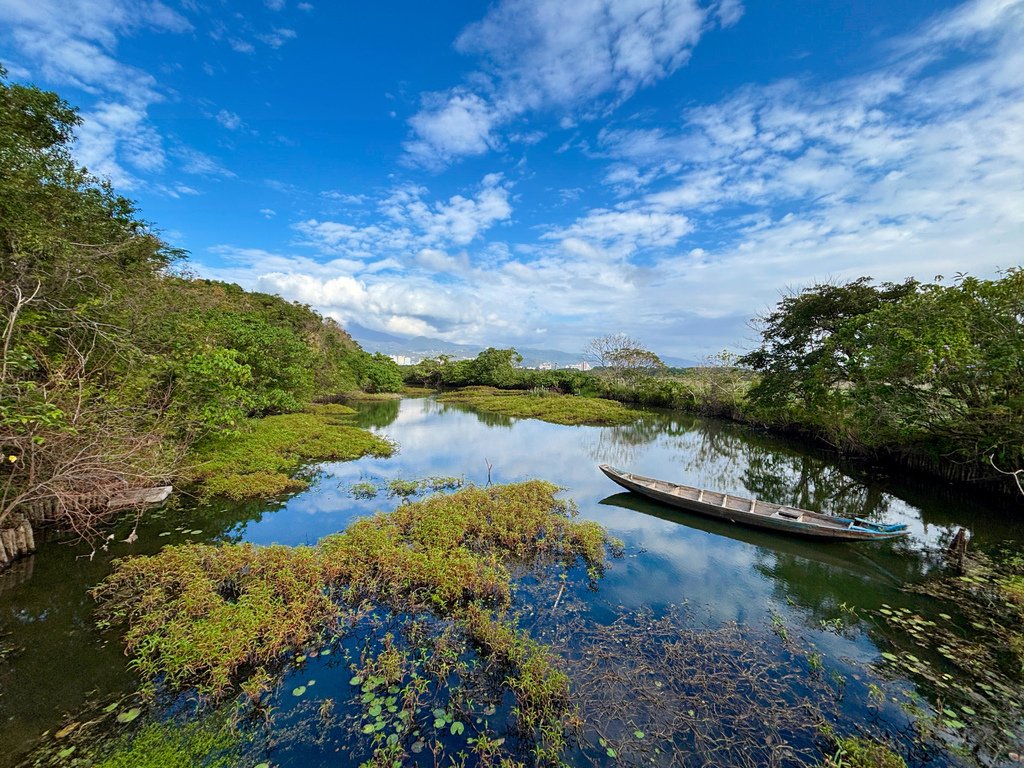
624,358
380,374
73,258
801,360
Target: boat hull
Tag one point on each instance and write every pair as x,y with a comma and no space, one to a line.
763,515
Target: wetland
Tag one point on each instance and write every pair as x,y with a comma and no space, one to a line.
668,639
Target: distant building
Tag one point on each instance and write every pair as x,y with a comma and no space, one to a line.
580,366
403,359
544,367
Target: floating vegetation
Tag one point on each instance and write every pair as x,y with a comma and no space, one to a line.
405,489
660,691
225,618
857,752
364,489
970,664
570,410
261,459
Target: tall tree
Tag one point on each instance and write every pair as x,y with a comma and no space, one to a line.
623,356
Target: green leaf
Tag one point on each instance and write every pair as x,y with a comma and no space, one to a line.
457,728
128,715
639,734
299,690
357,680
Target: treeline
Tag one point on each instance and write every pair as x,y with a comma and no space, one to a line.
112,364
929,374
717,389
497,368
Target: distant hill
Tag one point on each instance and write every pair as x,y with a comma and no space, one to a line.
418,347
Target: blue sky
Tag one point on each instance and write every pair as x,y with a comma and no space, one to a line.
538,172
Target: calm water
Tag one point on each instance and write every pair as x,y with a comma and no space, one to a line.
722,573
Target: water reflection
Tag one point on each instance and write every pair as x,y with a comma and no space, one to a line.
728,572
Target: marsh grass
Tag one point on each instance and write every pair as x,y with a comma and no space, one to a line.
571,410
228,618
261,459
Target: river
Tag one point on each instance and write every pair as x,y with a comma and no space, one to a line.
835,598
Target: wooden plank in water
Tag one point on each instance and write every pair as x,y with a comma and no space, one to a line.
140,497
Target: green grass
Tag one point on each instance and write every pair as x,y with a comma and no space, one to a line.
262,458
570,410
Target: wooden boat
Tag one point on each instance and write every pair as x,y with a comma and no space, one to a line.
753,512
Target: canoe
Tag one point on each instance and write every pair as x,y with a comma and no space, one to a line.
855,563
754,512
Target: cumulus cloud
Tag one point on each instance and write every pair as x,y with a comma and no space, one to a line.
452,125
910,169
627,230
74,43
409,222
577,59
906,169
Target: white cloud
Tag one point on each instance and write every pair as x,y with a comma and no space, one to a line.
114,135
278,37
578,58
344,197
199,163
229,120
409,223
74,43
626,230
452,125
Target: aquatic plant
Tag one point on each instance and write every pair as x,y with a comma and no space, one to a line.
858,752
220,617
260,459
663,690
364,489
569,410
970,665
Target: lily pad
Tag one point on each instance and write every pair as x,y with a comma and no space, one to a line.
298,691
129,715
